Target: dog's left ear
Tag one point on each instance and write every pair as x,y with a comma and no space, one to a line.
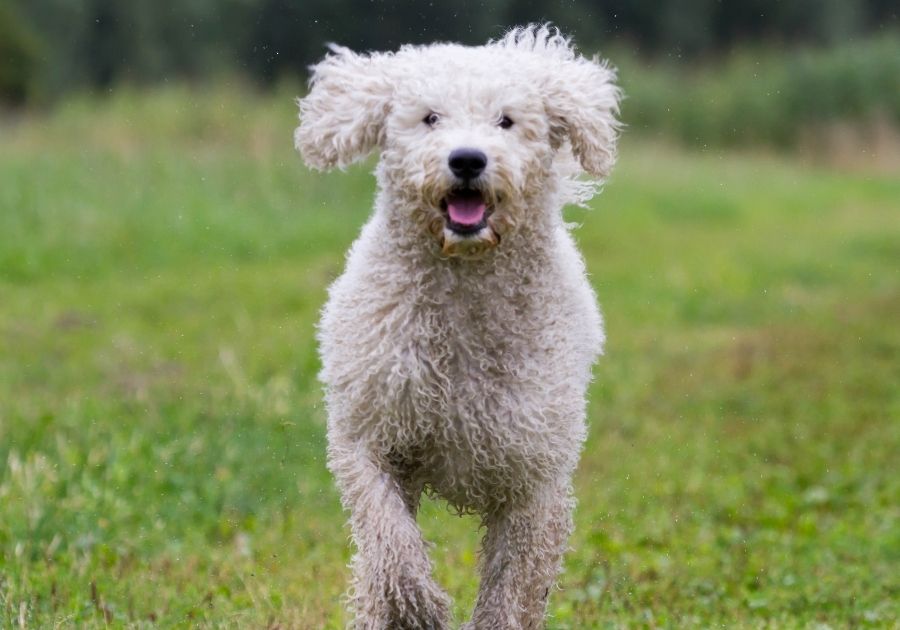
582,101
342,117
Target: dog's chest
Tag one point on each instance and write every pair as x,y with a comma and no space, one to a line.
432,350
464,360
456,352
468,376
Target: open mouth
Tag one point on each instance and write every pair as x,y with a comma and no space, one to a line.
466,211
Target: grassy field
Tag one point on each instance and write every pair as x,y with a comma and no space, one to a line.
162,260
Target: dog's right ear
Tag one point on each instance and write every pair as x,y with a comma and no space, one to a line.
342,116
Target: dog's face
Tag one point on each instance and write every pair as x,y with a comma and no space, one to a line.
468,142
468,136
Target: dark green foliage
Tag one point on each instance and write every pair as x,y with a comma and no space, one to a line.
96,43
18,56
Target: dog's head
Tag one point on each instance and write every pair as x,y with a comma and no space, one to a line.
470,137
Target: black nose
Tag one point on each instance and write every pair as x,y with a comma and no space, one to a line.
467,163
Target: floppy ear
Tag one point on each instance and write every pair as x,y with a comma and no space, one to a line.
342,116
582,101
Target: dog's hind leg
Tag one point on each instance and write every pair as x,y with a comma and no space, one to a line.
392,583
521,555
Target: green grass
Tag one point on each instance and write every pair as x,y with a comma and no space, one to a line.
162,260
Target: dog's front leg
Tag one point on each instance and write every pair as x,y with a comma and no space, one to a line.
392,583
521,555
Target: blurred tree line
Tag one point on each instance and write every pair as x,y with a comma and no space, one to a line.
50,47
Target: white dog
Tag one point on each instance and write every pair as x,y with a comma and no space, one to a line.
457,345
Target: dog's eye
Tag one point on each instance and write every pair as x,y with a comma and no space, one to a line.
505,122
431,119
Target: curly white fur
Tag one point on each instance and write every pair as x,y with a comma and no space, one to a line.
458,365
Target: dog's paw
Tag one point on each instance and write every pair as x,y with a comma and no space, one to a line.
406,600
420,605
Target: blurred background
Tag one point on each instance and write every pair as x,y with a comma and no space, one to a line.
164,254
764,72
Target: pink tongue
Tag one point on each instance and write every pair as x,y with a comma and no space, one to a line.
466,210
